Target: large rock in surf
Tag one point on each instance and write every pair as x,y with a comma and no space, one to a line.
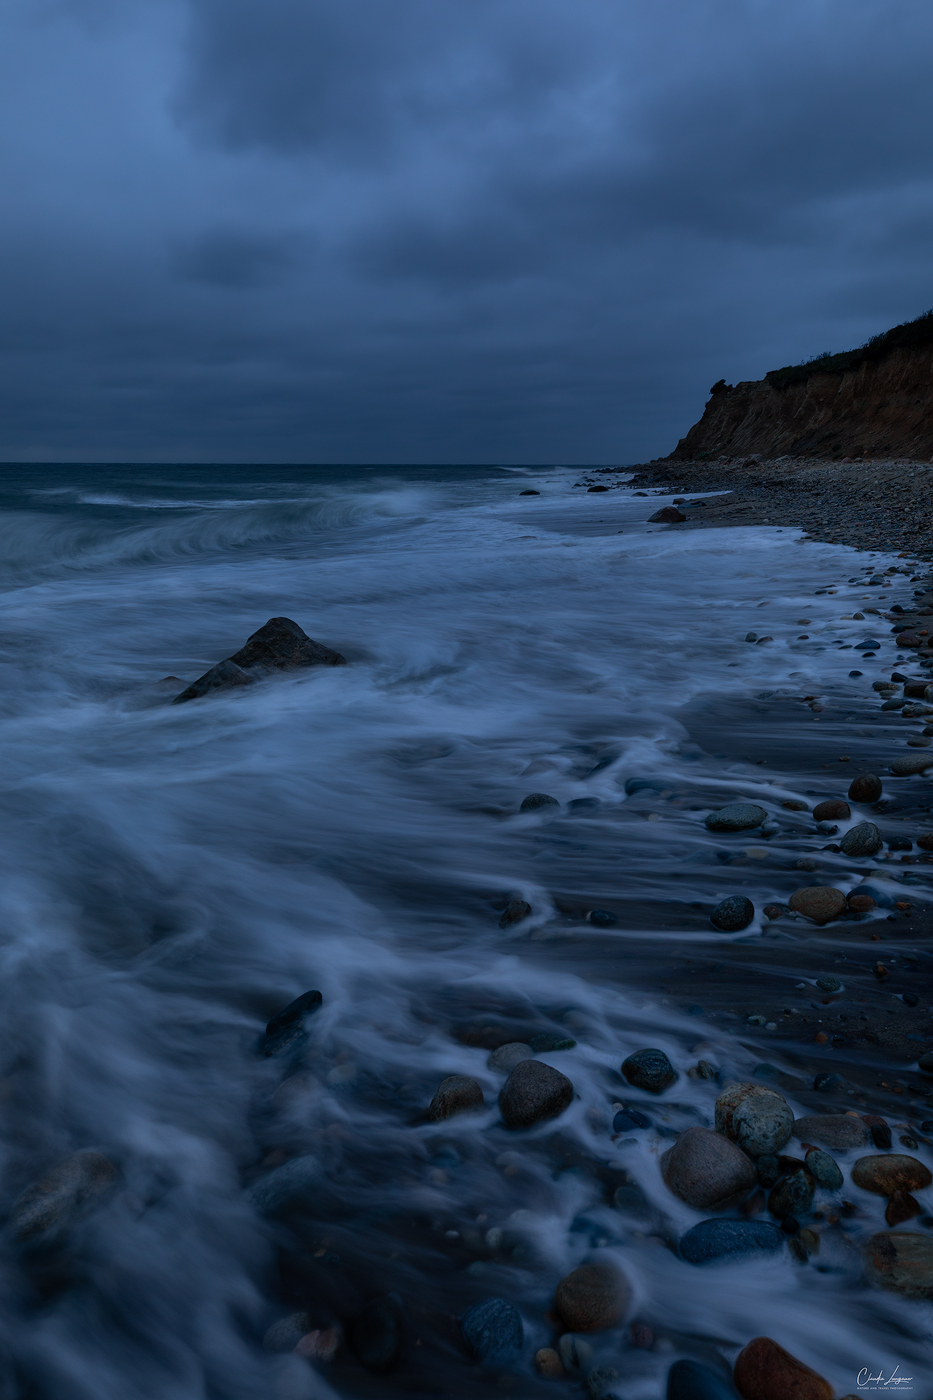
862,840
706,1170
650,1070
280,645
63,1195
765,1371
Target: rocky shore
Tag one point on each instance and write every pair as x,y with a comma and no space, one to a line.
874,505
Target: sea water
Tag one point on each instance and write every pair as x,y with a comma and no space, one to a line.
173,875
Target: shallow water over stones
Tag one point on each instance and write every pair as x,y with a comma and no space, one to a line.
179,876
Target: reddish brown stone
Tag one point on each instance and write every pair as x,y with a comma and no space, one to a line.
456,1094
901,1207
592,1298
765,1371
818,902
707,1171
861,903
834,809
889,1172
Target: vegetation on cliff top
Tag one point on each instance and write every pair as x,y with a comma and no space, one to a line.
908,335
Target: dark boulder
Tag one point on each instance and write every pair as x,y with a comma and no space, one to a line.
287,1026
733,913
650,1070
535,801
459,1093
865,788
532,1093
377,1334
280,645
724,1239
514,912
667,515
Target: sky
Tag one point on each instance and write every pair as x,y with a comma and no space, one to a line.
443,231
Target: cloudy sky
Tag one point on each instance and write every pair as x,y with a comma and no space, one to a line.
443,230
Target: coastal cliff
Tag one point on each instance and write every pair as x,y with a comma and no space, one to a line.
876,401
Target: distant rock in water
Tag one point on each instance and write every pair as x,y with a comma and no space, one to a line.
63,1195
280,645
288,1025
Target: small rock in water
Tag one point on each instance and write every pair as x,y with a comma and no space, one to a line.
508,1056
529,492
548,1363
765,1371
706,1171
737,816
532,1093
912,763
824,1169
514,912
926,1062
667,515
377,1334
732,914
536,800
821,903
287,1026
284,1335
837,1131
865,788
629,1120
829,984
901,1261
688,1380
828,1083
792,1196
592,1298
63,1194
860,903
895,1172
832,810
493,1330
549,1041
901,1207
599,1383
762,1124
724,1239
862,840
650,1070
456,1094
602,918
576,1354
880,1132
775,911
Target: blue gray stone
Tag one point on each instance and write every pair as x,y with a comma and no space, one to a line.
493,1330
733,914
649,1069
727,1238
862,840
737,816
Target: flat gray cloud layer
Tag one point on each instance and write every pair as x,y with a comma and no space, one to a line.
443,230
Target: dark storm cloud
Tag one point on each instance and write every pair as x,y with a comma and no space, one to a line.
444,230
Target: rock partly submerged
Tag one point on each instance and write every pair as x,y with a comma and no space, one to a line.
901,1261
279,645
765,1371
493,1331
288,1027
63,1195
533,1093
706,1171
713,1240
458,1093
592,1298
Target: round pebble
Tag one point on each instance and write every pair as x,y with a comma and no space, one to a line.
650,1070
818,902
508,1056
834,809
706,1171
592,1298
765,1371
865,788
456,1094
738,816
862,840
733,913
536,800
533,1093
883,1175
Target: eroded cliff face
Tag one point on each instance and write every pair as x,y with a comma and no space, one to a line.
879,408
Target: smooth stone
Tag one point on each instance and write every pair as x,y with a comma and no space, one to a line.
834,809
824,1169
650,1070
838,1131
901,1261
532,1093
284,1335
376,1335
818,902
592,1298
549,1041
884,1175
287,1026
493,1330
536,800
63,1194
901,1207
576,1354
865,788
765,1371
737,816
792,1196
762,1125
629,1119
860,903
880,1132
706,1171
514,912
722,1239
730,1099
733,913
548,1363
688,1380
508,1056
862,840
912,763
458,1093
667,515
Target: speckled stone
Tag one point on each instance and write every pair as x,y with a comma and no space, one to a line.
889,1172
902,1261
737,816
650,1070
863,840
